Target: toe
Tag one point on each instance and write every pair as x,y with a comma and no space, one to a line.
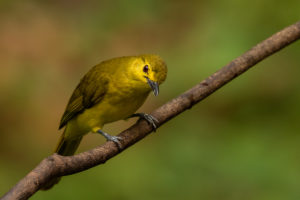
116,140
154,119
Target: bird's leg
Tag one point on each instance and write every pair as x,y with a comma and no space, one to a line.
149,118
115,139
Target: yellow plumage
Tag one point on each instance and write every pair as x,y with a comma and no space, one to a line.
110,91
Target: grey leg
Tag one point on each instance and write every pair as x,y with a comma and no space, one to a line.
115,139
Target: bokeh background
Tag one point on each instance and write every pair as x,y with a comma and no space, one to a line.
240,143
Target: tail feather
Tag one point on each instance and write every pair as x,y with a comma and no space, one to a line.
67,147
64,148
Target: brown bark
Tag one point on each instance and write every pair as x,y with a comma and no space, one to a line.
56,165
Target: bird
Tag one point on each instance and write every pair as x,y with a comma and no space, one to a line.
110,91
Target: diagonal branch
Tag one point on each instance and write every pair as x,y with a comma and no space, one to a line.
56,165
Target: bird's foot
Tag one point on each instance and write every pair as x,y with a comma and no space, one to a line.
149,118
115,139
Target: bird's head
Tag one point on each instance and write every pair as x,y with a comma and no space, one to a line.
150,71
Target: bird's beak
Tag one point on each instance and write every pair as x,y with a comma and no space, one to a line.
154,86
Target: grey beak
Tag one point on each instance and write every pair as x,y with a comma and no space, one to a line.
154,86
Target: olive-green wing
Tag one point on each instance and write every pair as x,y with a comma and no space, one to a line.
89,92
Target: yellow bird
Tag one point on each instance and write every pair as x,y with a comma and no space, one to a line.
110,91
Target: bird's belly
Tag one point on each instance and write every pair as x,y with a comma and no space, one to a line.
109,110
116,110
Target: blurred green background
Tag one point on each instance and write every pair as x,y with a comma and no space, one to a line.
240,143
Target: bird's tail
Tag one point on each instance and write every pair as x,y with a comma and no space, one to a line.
65,147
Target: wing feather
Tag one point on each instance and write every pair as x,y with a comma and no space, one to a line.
89,92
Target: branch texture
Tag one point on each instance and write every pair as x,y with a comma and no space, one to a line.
56,165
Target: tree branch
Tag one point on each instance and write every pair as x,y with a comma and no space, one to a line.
56,165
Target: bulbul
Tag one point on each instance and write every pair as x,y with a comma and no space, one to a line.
110,91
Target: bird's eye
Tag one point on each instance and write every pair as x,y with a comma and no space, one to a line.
145,69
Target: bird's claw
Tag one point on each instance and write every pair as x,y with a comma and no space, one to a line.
149,118
116,139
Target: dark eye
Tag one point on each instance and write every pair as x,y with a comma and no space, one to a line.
145,69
